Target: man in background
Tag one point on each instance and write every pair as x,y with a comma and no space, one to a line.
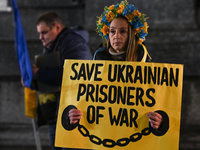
59,43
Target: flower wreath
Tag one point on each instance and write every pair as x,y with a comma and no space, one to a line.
134,17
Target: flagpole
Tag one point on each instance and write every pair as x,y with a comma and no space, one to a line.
24,62
36,135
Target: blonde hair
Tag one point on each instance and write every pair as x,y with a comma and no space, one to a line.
131,50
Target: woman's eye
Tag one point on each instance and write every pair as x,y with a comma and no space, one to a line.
123,31
112,31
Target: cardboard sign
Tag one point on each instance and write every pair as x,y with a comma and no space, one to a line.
115,97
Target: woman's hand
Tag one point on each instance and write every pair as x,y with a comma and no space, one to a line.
74,115
155,119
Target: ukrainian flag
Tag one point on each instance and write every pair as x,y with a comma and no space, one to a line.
24,64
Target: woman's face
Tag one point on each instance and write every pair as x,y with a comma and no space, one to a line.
118,34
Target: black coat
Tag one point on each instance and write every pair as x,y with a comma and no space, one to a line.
72,44
102,54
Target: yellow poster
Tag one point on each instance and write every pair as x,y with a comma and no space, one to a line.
115,97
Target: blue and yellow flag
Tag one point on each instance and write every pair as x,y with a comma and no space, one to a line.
24,64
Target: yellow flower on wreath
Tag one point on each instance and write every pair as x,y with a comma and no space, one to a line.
138,29
105,30
136,13
145,27
141,40
109,16
99,21
129,17
120,9
111,7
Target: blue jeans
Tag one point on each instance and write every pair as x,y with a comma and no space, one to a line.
52,129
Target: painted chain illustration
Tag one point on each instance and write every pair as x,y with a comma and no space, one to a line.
120,142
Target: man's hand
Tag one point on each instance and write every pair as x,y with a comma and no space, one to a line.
34,69
22,82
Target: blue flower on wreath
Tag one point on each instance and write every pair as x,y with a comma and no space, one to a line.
142,34
116,6
135,24
141,24
129,9
101,34
106,36
104,20
108,24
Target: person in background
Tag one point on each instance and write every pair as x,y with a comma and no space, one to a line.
65,43
123,29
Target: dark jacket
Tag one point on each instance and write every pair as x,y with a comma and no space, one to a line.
102,54
72,44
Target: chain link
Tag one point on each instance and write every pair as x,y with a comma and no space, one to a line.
111,143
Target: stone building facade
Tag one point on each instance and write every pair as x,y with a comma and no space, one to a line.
174,37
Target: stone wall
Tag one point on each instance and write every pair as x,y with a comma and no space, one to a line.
174,37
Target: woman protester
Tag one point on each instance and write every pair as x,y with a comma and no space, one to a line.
123,29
